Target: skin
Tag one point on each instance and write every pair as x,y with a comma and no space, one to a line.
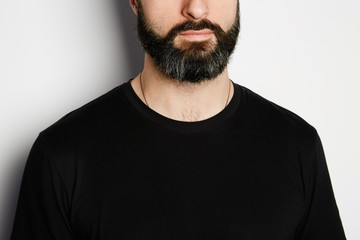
184,101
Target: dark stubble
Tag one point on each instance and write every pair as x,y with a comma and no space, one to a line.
192,62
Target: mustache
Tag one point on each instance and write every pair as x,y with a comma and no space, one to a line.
196,26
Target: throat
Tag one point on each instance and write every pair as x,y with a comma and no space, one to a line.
190,115
184,102
191,112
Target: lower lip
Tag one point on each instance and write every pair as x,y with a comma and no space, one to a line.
197,37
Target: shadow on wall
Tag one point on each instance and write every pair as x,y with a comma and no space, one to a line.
126,20
11,193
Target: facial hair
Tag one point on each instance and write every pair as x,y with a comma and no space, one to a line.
192,62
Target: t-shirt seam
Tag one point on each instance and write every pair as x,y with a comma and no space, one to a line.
170,129
57,172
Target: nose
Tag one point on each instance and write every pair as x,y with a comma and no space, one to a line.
196,9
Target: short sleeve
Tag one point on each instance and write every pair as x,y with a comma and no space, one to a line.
43,205
321,218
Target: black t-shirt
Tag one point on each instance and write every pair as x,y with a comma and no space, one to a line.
115,169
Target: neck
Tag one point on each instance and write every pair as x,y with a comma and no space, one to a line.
182,101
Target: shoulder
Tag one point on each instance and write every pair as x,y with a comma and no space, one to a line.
70,141
86,124
276,119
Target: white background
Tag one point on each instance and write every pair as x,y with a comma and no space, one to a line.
303,55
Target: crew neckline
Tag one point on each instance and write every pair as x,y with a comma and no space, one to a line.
162,121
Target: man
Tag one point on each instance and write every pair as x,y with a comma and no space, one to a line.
180,152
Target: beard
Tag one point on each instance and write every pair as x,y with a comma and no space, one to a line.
192,62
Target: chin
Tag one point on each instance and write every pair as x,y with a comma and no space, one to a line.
196,48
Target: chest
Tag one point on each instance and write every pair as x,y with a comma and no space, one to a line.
198,190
